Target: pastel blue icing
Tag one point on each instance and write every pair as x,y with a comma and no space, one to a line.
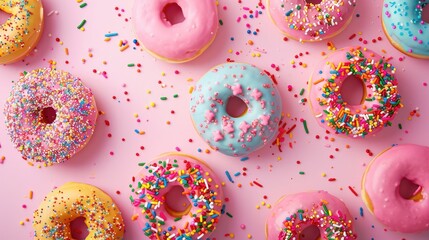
403,22
212,92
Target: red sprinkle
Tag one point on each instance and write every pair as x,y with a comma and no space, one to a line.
353,191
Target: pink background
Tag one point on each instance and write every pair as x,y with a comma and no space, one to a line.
110,162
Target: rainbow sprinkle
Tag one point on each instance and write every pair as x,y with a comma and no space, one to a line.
199,187
332,226
385,100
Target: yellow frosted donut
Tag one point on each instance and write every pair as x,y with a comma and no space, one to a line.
74,200
22,31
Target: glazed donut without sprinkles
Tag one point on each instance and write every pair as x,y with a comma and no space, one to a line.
308,22
236,136
22,31
382,183
50,115
180,42
152,197
73,200
313,213
380,101
405,28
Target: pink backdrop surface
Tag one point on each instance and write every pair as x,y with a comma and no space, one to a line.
125,94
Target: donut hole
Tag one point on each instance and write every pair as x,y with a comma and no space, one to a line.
173,13
236,107
425,14
48,115
176,203
410,191
4,16
78,229
313,1
311,232
353,90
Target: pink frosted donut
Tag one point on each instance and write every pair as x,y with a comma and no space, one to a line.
299,214
50,115
171,41
304,21
176,196
382,187
380,100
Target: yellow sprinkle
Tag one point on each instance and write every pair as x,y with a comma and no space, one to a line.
191,89
21,223
323,174
152,104
107,39
124,47
120,43
30,195
66,51
249,236
229,50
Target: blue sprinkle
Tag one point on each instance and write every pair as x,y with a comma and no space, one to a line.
244,158
229,176
111,34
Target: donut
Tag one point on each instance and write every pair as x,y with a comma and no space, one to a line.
308,22
22,31
404,27
296,215
380,100
175,41
50,115
241,135
198,204
382,183
74,200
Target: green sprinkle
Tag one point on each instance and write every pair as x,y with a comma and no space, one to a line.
177,219
305,126
229,214
81,24
131,65
400,126
83,5
301,173
176,95
221,22
302,92
142,164
163,98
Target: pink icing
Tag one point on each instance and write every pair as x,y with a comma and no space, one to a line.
308,202
180,42
381,185
311,22
67,133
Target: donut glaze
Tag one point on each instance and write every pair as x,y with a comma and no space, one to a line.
73,200
22,31
380,102
200,185
244,134
36,138
304,21
292,214
179,42
380,188
404,27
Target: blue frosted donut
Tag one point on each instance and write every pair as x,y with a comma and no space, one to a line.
236,136
403,25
